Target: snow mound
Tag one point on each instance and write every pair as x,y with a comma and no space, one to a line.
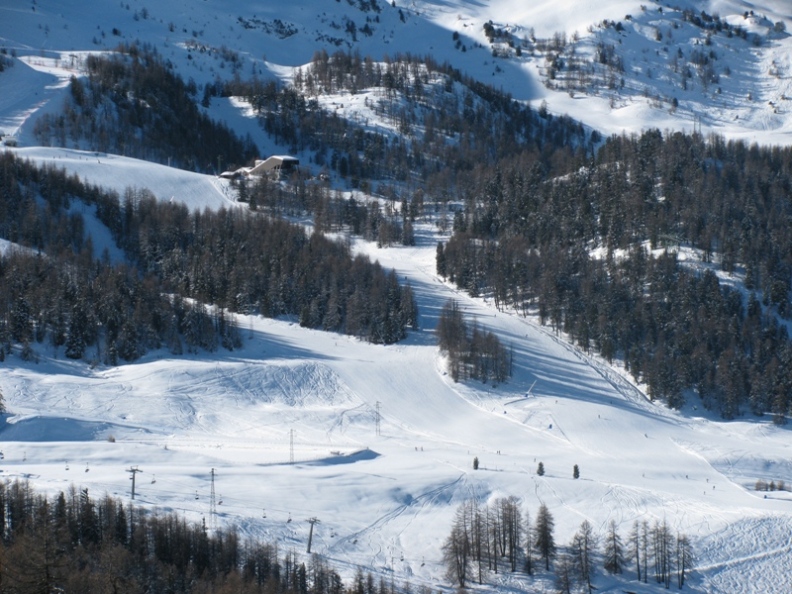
47,429
351,458
293,383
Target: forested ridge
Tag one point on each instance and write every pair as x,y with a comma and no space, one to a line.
548,224
59,294
133,103
446,121
575,250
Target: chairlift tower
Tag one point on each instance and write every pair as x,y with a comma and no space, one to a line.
311,521
134,470
212,504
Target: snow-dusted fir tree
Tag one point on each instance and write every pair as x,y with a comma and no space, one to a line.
544,544
684,558
528,530
456,549
613,550
584,548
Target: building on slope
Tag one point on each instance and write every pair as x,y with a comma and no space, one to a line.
273,167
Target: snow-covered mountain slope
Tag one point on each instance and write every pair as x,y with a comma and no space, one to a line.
386,498
120,174
722,65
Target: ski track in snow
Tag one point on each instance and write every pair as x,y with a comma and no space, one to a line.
372,532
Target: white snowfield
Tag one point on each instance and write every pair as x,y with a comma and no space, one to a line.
119,174
376,442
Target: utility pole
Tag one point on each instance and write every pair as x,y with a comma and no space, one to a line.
291,446
311,521
212,504
134,470
377,418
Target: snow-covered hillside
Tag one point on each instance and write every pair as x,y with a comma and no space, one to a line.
386,501
386,498
743,92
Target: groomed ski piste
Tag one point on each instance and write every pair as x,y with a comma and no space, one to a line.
377,442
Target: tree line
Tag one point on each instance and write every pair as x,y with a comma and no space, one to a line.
74,542
473,353
132,103
497,536
255,264
387,219
575,250
447,121
57,292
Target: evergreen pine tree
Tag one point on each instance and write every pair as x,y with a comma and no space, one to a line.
584,548
441,260
613,550
76,341
544,542
456,550
528,529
